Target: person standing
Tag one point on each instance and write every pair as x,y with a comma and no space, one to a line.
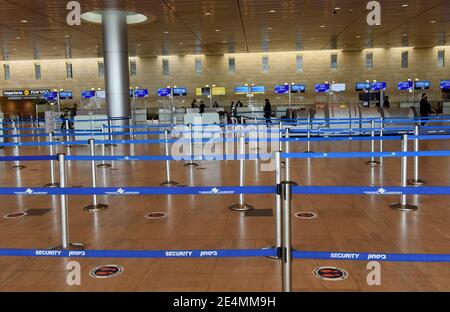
202,107
268,111
386,103
425,108
73,114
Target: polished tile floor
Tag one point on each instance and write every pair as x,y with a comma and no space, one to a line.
344,223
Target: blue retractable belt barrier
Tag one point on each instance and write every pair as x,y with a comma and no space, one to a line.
366,155
125,191
357,256
379,191
144,254
27,158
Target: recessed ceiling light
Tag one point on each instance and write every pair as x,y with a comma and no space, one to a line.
269,28
54,48
405,5
18,38
337,8
67,36
207,13
217,30
313,38
267,40
322,26
432,22
272,11
181,43
224,41
24,21
138,44
404,35
358,36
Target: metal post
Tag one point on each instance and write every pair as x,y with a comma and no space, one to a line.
104,165
381,138
278,211
191,163
373,162
241,206
288,161
95,205
309,136
416,181
65,242
285,191
52,164
403,205
169,182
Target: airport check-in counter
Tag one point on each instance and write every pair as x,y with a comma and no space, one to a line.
398,113
252,112
140,115
320,116
446,108
370,113
206,118
93,121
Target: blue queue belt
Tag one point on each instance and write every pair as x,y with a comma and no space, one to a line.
366,155
377,191
127,191
142,254
382,257
27,158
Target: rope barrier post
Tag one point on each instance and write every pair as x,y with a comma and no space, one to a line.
65,242
95,205
381,139
190,163
287,161
416,181
104,165
373,162
403,205
309,136
52,163
241,206
16,150
285,191
169,182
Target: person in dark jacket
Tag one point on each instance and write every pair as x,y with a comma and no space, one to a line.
425,108
268,112
386,103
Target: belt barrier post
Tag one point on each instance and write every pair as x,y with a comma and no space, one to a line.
104,165
95,205
278,211
52,164
241,206
191,163
288,160
169,182
65,242
309,136
416,181
403,205
381,139
285,190
373,162
17,165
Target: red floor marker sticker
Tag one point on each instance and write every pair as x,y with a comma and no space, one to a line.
330,274
306,215
156,215
15,215
106,271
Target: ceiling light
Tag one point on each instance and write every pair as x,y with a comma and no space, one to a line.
207,13
269,28
358,36
272,11
405,5
432,22
224,41
67,36
337,8
217,30
96,17
322,26
24,21
166,32
313,38
404,35
181,43
18,38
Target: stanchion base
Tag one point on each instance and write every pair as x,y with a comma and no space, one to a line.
374,163
94,208
169,184
20,167
417,182
272,257
407,207
72,246
243,207
104,166
191,164
309,152
51,185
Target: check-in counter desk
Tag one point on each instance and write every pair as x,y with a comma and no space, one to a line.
252,112
92,121
398,113
446,108
205,119
370,113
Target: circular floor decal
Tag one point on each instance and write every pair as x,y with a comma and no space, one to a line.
330,274
15,215
156,215
306,215
106,271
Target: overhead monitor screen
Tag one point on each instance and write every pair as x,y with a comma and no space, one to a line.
377,86
50,96
445,84
405,85
88,94
179,92
298,89
163,92
362,86
258,89
218,91
282,89
65,95
241,90
338,87
140,93
322,88
422,85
